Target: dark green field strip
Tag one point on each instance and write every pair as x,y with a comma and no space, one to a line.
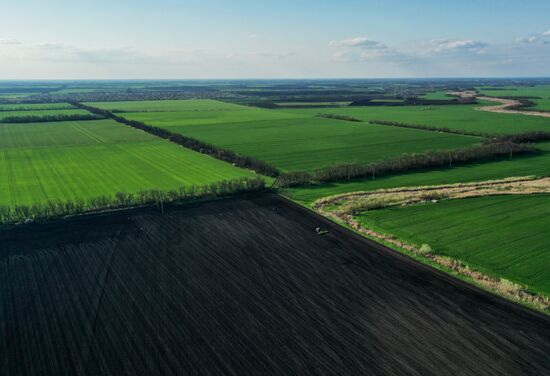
520,166
506,236
183,118
87,171
33,107
207,290
541,104
17,136
307,143
194,105
457,117
41,113
540,91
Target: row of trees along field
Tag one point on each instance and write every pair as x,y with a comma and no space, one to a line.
48,118
405,163
339,117
56,208
532,136
230,156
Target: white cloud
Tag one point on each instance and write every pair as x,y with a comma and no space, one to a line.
456,46
362,48
528,40
252,36
355,42
536,38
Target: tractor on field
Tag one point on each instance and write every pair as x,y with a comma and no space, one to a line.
319,231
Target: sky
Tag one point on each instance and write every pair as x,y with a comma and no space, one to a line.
188,39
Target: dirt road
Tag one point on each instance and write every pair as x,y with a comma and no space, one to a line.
503,108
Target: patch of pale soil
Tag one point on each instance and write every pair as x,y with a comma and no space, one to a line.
506,106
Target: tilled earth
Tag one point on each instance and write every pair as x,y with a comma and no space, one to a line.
244,286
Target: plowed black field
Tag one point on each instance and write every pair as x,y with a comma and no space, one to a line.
243,287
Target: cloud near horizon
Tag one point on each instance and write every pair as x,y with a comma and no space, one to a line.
444,57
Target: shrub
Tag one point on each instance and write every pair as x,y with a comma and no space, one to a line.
425,249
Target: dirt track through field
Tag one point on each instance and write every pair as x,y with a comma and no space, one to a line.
506,104
244,287
503,107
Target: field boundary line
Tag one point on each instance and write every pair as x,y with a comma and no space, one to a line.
36,176
97,139
11,179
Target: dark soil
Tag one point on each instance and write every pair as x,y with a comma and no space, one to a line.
245,287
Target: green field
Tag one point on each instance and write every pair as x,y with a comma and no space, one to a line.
538,165
35,106
437,95
541,91
289,140
460,117
69,112
505,236
79,160
541,104
169,105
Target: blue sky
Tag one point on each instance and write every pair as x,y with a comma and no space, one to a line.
273,39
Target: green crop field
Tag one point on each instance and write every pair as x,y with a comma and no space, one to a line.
540,91
80,160
461,117
437,95
35,107
69,112
289,140
537,165
168,105
506,236
309,143
541,104
176,119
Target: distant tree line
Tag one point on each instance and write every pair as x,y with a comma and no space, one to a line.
56,209
21,109
230,156
47,118
405,163
517,138
535,136
413,101
339,117
431,128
